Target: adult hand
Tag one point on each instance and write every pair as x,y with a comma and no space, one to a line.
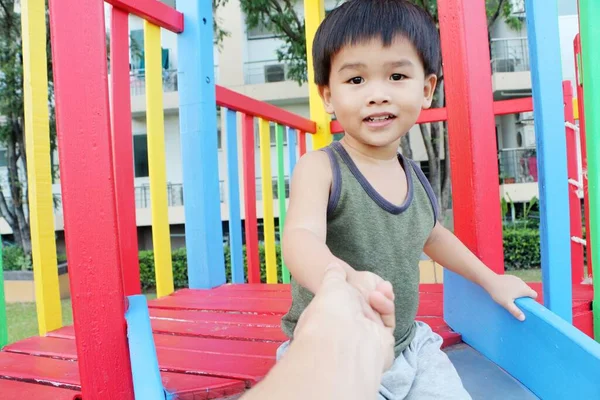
340,310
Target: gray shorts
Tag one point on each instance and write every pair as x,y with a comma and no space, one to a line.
421,372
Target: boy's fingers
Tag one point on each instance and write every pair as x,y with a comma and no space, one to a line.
385,307
515,311
386,289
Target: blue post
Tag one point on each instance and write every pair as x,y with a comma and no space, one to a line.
147,383
199,151
292,148
233,183
546,77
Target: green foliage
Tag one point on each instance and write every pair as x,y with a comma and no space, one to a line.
521,248
180,279
15,259
282,19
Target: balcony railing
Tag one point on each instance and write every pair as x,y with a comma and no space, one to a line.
137,80
518,165
510,55
267,71
174,195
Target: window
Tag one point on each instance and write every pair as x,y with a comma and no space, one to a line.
140,155
3,160
260,32
273,132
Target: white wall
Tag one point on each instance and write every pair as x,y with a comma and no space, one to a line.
568,28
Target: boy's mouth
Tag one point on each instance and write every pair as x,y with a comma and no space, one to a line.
379,117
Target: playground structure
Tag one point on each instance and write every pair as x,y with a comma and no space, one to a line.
215,340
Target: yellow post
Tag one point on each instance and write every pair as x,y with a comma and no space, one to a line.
267,198
314,12
157,160
37,142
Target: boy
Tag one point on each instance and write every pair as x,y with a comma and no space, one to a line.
362,204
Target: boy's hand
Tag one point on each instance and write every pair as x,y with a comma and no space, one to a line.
377,292
505,289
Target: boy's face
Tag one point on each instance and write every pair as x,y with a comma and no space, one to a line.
377,92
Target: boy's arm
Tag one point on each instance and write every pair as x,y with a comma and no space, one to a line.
303,245
446,249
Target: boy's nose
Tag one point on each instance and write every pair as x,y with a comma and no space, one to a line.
379,96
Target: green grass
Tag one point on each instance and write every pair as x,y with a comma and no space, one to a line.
22,318
528,275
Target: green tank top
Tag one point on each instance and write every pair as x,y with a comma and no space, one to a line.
372,234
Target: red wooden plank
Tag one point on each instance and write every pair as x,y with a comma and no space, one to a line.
261,306
202,329
276,287
84,143
238,294
49,371
249,162
470,129
154,11
64,374
584,321
217,346
226,331
194,387
513,106
301,143
249,106
216,317
574,202
122,151
169,359
17,390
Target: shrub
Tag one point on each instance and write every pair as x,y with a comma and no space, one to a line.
522,248
15,259
179,260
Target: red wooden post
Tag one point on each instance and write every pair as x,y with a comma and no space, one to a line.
301,143
250,198
123,151
467,76
583,145
574,202
86,166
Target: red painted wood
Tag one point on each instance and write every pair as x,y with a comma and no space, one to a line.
64,374
16,390
584,321
240,294
583,146
154,11
249,106
216,331
262,306
279,287
122,151
217,346
249,161
301,143
574,202
58,373
216,317
86,167
471,125
194,387
513,106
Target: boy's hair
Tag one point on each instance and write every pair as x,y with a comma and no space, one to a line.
358,20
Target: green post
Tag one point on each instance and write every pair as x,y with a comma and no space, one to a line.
3,320
589,15
285,273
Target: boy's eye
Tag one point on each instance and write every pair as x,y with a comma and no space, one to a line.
357,80
398,77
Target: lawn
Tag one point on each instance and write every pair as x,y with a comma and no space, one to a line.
22,318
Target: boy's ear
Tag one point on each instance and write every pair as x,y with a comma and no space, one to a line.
325,94
429,90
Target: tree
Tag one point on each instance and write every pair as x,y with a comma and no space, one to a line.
281,18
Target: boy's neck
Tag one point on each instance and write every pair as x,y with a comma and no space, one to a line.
371,153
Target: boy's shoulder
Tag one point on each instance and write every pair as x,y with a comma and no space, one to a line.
314,166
